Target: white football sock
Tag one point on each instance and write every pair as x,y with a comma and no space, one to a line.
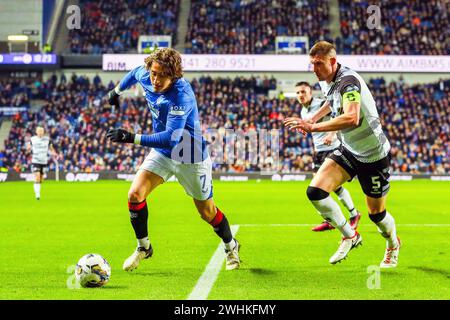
346,199
230,245
330,210
388,230
144,242
37,190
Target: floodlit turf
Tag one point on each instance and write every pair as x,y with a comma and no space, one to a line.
41,240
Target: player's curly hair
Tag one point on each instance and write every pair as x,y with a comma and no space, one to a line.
169,58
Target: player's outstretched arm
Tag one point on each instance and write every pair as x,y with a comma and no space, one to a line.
165,139
291,122
350,118
351,100
113,98
120,135
131,78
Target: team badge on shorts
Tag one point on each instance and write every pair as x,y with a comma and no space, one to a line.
337,153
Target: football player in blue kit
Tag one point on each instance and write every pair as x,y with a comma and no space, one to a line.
178,149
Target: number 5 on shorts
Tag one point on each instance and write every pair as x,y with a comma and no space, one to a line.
376,184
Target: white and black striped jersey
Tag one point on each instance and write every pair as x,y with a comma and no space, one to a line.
39,149
318,137
366,142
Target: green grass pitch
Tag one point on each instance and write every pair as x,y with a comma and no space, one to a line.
282,258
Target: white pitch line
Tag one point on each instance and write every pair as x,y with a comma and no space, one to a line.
209,276
364,225
277,225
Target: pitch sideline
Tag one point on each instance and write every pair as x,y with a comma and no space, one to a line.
209,276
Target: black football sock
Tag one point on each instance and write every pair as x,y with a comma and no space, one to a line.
138,217
222,227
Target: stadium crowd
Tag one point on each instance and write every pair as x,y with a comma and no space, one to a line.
76,116
115,26
249,26
15,93
417,121
406,27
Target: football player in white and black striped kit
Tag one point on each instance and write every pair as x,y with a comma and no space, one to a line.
364,152
39,146
324,144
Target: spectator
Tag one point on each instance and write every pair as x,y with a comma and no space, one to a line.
415,117
249,27
407,28
115,26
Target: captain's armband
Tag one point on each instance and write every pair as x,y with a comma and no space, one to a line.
351,96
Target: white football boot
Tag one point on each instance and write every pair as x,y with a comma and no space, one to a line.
346,245
133,261
232,257
390,259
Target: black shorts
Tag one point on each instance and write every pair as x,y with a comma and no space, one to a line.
319,158
38,167
373,177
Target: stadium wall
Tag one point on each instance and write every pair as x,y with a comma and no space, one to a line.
19,15
235,177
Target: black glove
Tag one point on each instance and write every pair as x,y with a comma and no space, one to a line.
113,98
120,135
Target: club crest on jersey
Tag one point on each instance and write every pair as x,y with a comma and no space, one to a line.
337,153
159,100
153,110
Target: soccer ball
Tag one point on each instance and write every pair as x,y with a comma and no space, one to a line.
92,271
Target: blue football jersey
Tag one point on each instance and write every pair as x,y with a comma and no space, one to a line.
175,120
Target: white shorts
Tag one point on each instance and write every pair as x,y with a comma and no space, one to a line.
196,178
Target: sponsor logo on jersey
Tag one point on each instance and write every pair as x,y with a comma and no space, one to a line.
177,110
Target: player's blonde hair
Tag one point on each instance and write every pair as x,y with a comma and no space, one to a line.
169,58
323,48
